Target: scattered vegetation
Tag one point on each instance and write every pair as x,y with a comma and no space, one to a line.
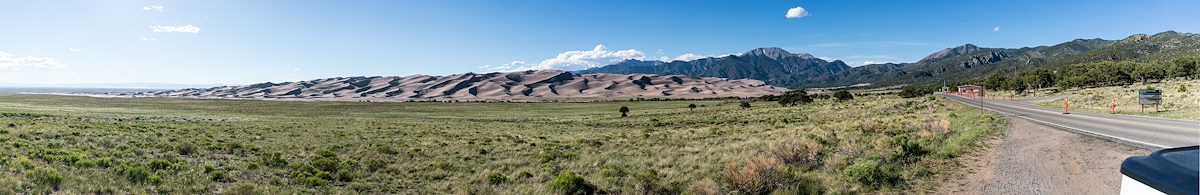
1096,74
1176,104
843,95
62,144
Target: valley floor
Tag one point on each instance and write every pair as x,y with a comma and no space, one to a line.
872,144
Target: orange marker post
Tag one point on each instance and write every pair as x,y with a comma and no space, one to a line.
1066,106
1114,106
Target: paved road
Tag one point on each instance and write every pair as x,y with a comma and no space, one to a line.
1154,132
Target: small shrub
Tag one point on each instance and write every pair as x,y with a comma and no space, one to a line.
272,160
312,181
185,148
217,176
759,174
156,165
104,162
135,173
242,189
806,154
871,173
324,175
85,163
704,187
611,171
624,111
26,164
569,183
344,176
386,150
45,176
524,174
908,146
496,178
375,164
324,164
154,179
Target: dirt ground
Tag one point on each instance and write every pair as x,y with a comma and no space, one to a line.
1032,158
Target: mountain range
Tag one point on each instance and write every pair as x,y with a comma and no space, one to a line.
778,67
773,65
522,85
753,73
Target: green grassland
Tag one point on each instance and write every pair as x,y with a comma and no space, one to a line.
873,144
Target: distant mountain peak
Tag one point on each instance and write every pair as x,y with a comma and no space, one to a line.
776,53
951,52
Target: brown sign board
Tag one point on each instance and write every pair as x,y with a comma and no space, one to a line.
1149,97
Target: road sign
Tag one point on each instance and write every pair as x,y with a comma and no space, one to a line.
1149,97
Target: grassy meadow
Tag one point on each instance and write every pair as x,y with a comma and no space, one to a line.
1181,99
873,144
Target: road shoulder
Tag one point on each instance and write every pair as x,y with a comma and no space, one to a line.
1032,158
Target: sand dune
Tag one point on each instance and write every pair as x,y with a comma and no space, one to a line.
524,85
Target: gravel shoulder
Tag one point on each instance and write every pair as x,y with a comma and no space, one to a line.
1031,158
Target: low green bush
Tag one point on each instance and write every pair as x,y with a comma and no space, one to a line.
104,162
569,183
872,173
218,176
136,173
496,178
45,177
242,189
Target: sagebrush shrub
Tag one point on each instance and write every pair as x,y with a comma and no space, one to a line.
136,173
872,173
496,178
803,154
45,176
759,174
185,149
569,183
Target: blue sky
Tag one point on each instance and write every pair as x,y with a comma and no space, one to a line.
242,42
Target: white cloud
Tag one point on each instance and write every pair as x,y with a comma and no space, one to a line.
183,29
578,60
74,49
684,57
153,8
597,57
872,62
859,60
10,62
149,39
997,29
511,66
797,12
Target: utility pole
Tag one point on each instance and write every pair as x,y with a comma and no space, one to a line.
980,94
